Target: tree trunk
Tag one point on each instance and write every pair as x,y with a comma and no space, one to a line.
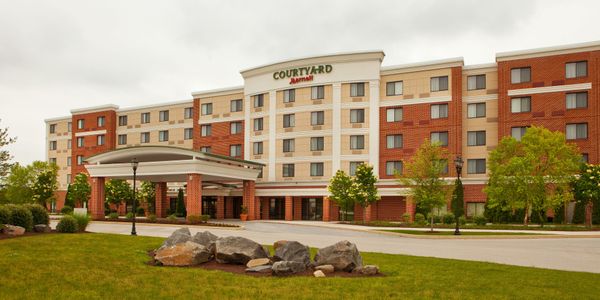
526,218
431,222
588,214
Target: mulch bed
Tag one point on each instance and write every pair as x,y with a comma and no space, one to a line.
176,222
4,236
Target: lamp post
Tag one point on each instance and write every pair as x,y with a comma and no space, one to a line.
134,166
458,163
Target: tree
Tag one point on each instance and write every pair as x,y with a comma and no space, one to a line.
363,188
340,187
532,174
69,197
180,210
587,187
423,174
147,194
80,189
458,201
45,185
5,156
21,182
117,191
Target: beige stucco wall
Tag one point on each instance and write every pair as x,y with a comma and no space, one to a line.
62,136
416,84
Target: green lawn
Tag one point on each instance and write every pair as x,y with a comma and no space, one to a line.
104,266
427,232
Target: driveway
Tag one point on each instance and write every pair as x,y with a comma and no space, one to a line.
572,254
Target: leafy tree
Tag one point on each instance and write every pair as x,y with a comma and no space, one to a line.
340,187
80,189
5,156
21,182
117,191
423,173
532,174
180,208
45,185
147,194
587,187
363,188
68,197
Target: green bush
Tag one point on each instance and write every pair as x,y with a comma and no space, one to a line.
129,216
66,210
462,220
67,224
4,215
406,218
480,220
436,219
20,216
449,218
151,218
140,211
82,221
205,218
39,213
194,219
420,219
172,217
113,216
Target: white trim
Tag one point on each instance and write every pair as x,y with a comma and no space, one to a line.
222,119
218,92
272,134
154,128
480,66
551,89
402,102
247,128
87,110
336,131
157,105
88,133
423,66
547,51
480,98
65,118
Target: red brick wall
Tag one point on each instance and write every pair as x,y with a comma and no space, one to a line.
193,203
389,208
297,208
90,148
221,137
474,193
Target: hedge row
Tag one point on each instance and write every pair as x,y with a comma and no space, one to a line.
25,215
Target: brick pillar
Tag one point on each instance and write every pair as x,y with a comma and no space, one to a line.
161,202
229,208
264,202
326,209
220,207
411,207
289,208
368,213
193,203
97,198
250,198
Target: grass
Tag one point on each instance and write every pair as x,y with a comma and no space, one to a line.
104,266
426,232
547,227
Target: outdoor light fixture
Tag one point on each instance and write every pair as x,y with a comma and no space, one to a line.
134,166
458,163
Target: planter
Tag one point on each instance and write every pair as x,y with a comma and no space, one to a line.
244,217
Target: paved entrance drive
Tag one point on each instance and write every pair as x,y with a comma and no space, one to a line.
573,254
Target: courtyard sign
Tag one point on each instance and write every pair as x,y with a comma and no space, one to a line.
302,74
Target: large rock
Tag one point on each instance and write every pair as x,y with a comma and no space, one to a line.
369,270
238,250
325,268
13,230
342,255
319,273
41,228
183,254
258,262
206,239
283,268
178,236
292,251
260,269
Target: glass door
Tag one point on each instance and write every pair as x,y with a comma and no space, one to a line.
312,209
209,206
277,208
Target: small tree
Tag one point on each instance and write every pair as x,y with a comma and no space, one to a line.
69,197
180,208
458,201
587,187
5,156
363,188
80,189
19,184
117,191
45,185
340,192
147,194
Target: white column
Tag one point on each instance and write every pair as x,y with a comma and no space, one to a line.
374,125
272,134
336,133
247,127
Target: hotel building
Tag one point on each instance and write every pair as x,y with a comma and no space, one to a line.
301,120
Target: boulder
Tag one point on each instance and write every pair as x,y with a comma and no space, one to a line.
178,236
258,262
283,268
41,228
279,244
238,250
206,239
260,269
319,273
369,270
325,268
342,256
292,251
13,230
183,254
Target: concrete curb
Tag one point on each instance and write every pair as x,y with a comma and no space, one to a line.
173,225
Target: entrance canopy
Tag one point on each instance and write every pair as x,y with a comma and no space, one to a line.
170,164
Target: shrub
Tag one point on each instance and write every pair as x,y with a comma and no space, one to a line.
194,219
82,221
436,218
129,216
406,217
172,217
67,224
449,218
39,213
21,216
66,210
205,218
151,218
140,211
4,215
113,216
419,219
480,220
462,220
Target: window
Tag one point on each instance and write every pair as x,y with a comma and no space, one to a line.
52,128
438,84
476,82
519,105
163,115
206,109
577,100
163,136
444,164
357,115
288,145
80,142
576,69
52,145
100,121
69,175
79,160
475,209
394,114
188,112
258,124
357,142
520,75
317,92
100,140
518,132
235,150
257,148
577,131
145,118
317,143
439,111
289,120
393,88
52,160
205,149
476,138
122,139
317,118
235,127
476,110
80,124
188,133
288,170
145,137
259,100
289,96
440,137
316,169
236,105
122,120
354,166
585,157
394,141
69,141
206,130
357,89
476,166
391,167
68,163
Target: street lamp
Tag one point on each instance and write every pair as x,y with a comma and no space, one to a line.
458,163
134,166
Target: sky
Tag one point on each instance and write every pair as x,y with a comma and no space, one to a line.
59,55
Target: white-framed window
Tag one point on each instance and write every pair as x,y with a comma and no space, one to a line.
100,121
440,137
235,150
577,131
518,132
357,142
521,104
353,166
394,114
520,75
206,149
258,124
289,120
357,115
69,175
206,130
577,100
476,166
393,88
235,127
69,126
439,83
259,100
69,141
287,170
257,148
206,109
163,116
145,117
80,123
188,133
317,143
100,140
80,142
476,82
236,105
52,145
288,145
188,112
394,141
317,118
357,89
52,128
68,162
475,209
391,167
316,169
163,136
122,120
289,96
79,160
576,69
122,139
476,110
317,92
476,138
52,160
145,137
439,111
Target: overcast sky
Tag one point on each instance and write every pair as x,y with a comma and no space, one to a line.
59,55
